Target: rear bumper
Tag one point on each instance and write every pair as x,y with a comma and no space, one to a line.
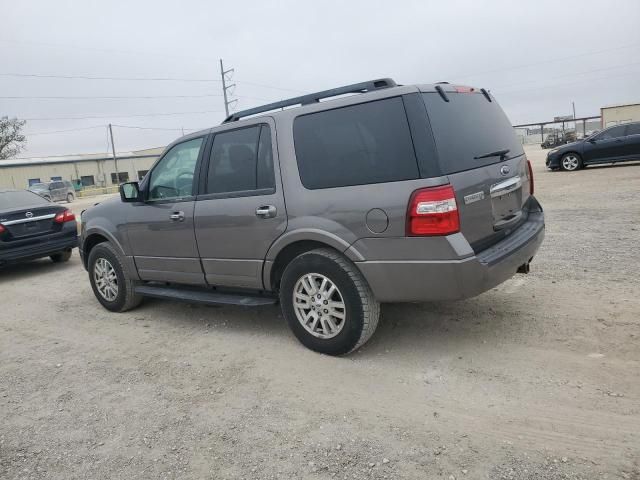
433,280
47,245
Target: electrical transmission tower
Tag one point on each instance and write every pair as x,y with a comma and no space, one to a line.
225,87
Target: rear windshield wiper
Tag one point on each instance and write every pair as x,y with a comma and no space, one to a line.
497,153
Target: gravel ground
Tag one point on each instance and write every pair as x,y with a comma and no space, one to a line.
536,379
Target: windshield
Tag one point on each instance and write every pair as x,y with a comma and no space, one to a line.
19,199
469,126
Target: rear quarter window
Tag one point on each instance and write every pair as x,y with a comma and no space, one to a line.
467,126
355,145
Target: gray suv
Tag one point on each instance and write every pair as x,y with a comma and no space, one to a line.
390,194
55,191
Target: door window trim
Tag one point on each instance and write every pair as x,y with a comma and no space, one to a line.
206,138
204,167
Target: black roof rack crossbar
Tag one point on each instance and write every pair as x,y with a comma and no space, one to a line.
314,97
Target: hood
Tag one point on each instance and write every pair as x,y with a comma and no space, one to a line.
575,146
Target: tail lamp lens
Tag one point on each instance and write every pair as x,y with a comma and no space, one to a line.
530,171
433,211
65,216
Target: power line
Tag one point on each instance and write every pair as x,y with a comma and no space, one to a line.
105,97
123,116
157,128
88,77
558,59
572,74
270,86
64,131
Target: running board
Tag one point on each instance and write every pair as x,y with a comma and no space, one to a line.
208,297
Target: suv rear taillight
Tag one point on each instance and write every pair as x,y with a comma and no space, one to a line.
2,229
65,216
433,211
530,171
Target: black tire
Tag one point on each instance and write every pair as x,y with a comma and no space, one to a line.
361,309
70,197
126,298
61,257
571,162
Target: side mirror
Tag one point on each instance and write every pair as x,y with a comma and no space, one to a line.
130,192
592,140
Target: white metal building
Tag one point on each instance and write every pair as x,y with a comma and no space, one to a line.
91,170
617,114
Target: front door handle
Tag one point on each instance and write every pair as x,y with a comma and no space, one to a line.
266,211
177,216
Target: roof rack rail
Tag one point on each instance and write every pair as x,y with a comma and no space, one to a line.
315,97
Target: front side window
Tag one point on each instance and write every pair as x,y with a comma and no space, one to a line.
355,145
614,132
241,160
173,176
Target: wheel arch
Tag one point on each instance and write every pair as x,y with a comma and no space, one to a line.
282,252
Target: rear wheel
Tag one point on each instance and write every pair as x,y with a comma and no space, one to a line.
571,162
109,279
61,257
328,303
70,197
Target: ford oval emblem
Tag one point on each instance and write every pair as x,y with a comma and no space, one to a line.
504,170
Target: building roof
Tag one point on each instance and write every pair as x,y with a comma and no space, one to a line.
619,105
19,162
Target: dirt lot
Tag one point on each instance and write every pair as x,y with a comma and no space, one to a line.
536,379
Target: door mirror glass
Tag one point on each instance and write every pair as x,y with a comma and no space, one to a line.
130,192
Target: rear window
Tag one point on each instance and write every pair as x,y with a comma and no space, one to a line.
19,199
469,126
355,145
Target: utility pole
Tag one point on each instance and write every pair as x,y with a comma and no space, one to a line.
573,105
115,160
226,87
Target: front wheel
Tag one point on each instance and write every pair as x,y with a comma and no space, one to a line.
70,197
328,303
109,279
571,162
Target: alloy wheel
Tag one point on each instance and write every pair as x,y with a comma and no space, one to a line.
105,279
319,305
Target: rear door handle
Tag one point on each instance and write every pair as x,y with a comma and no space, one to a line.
266,211
177,216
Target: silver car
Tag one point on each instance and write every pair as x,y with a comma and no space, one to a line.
55,191
389,194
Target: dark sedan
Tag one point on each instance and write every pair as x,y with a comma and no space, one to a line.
620,143
32,227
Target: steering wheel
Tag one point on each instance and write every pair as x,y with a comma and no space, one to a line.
183,182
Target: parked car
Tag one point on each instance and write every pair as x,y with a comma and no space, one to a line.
55,191
32,227
330,208
558,138
620,143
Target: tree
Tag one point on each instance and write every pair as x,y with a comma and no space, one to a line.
12,141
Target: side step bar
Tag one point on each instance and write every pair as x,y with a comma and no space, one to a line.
208,297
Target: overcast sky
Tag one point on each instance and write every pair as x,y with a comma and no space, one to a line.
535,56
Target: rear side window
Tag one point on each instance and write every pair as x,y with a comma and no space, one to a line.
633,129
468,126
614,132
355,145
241,160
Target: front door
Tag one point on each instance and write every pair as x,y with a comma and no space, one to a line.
241,210
160,229
632,142
605,146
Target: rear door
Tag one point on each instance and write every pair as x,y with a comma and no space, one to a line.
480,153
632,142
241,209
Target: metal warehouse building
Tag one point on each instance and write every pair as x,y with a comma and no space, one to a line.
95,170
617,114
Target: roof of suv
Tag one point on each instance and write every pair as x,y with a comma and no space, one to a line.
336,97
